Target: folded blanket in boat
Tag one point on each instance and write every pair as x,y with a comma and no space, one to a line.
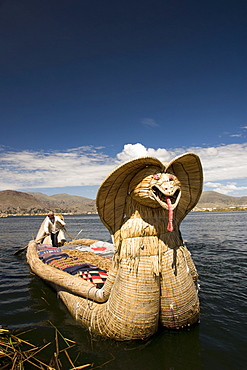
95,276
73,265
64,262
74,269
47,258
48,250
103,249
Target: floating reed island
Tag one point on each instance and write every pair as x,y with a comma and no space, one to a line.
151,279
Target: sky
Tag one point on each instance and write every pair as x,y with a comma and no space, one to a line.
86,85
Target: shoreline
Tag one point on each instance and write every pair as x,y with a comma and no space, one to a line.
230,209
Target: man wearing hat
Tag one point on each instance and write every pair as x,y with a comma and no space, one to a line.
53,226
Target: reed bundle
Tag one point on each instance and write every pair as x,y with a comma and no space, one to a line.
86,242
17,353
90,257
152,278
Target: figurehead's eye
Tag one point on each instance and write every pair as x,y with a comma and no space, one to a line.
156,176
171,177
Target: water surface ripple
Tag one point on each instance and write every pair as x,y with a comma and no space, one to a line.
218,244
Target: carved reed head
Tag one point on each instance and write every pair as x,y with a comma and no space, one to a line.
150,182
152,188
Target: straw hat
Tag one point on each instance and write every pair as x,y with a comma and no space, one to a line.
112,194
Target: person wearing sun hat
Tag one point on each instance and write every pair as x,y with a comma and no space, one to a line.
53,226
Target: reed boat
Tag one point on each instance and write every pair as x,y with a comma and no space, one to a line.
151,279
75,267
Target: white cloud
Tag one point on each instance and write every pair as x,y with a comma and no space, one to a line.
149,122
226,162
241,133
219,163
73,167
227,189
131,151
224,167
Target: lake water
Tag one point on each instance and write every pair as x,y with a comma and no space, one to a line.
218,244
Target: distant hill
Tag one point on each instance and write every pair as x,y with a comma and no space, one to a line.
16,202
212,199
66,203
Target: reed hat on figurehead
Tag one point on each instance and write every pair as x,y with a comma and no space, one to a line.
111,197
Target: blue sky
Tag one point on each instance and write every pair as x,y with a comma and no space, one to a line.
88,84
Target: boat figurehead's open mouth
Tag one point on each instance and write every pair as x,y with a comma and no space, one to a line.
167,198
156,189
161,197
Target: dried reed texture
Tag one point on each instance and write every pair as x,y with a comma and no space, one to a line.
118,318
129,313
19,354
169,259
132,203
87,242
112,195
72,283
179,303
152,278
90,257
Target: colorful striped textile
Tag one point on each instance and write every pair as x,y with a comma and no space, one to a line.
95,276
55,257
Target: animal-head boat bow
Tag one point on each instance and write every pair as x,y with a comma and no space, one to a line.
176,185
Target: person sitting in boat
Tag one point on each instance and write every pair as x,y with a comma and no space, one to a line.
53,226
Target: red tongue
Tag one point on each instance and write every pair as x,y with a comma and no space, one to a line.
170,214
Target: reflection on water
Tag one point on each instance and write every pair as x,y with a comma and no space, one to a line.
217,241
